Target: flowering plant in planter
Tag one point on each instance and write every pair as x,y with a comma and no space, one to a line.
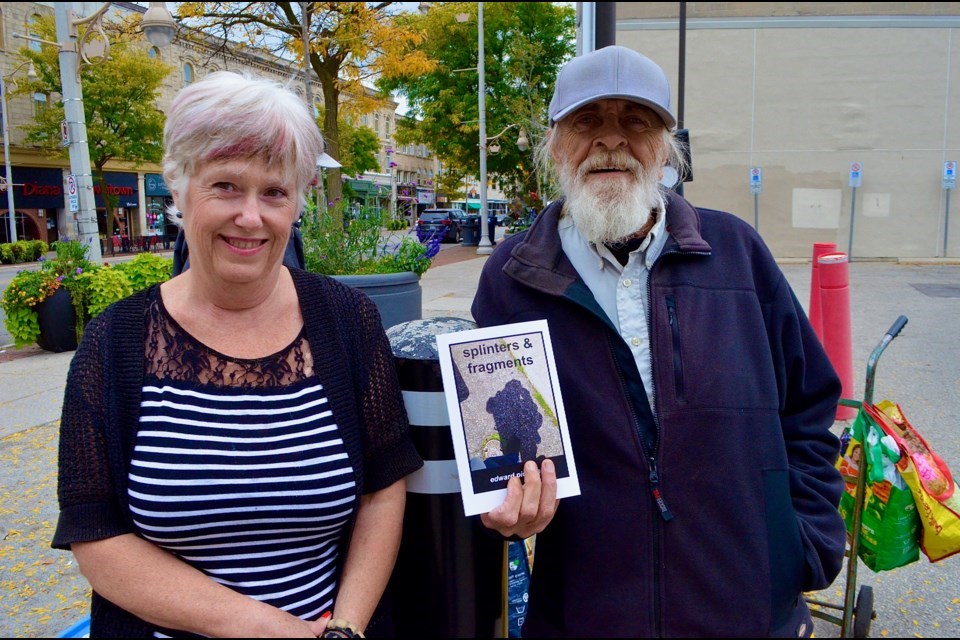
92,287
358,247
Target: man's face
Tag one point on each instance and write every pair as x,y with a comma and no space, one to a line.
610,155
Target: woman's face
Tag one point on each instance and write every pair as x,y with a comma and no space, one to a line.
237,216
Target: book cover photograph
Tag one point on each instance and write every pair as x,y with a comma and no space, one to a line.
503,399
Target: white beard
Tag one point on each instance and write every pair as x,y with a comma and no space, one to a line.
610,210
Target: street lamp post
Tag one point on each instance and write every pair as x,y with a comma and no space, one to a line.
485,247
486,144
6,159
159,27
8,184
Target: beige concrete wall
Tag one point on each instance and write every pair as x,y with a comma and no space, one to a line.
803,103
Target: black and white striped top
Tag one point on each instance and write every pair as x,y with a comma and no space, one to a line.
252,486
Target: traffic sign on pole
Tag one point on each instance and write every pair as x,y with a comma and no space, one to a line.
72,193
950,174
856,174
756,180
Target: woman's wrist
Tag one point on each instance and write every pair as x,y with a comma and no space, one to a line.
340,628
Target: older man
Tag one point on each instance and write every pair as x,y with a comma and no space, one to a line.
698,398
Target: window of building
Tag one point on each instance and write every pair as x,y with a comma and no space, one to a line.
376,123
154,53
32,31
187,73
40,103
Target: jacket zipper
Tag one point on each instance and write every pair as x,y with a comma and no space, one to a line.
654,481
677,361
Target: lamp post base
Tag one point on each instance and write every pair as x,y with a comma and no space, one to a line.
485,248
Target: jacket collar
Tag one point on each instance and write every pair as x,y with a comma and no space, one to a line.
538,258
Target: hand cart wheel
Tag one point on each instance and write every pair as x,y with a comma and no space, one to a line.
863,613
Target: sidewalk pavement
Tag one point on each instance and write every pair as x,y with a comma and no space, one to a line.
42,593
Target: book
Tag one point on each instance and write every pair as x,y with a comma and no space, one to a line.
503,399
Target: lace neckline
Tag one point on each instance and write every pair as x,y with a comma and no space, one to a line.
173,353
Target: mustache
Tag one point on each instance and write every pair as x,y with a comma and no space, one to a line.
615,160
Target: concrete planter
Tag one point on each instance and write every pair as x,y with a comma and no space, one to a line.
398,296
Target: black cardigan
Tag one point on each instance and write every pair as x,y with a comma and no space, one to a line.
100,419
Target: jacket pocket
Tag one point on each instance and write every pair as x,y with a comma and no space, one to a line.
677,360
784,545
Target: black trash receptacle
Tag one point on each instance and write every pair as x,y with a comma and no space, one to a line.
471,231
448,580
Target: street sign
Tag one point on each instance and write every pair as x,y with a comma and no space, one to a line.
756,180
72,194
856,174
64,134
950,174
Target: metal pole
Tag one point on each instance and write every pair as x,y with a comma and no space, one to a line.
485,247
77,127
946,210
305,34
756,212
605,18
586,42
853,204
6,160
681,79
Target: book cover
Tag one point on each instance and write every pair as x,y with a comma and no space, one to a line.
503,400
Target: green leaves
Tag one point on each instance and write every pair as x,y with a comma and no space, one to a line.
525,43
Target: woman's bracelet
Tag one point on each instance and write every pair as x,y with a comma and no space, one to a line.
340,628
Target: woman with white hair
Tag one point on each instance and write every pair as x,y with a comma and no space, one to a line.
234,443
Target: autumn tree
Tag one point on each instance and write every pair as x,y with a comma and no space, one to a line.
350,43
525,44
119,101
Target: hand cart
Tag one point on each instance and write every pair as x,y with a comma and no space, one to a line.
859,612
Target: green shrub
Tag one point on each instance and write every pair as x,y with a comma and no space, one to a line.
359,248
103,287
146,269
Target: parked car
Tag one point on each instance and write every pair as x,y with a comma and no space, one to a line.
443,222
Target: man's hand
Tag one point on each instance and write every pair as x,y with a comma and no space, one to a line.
529,506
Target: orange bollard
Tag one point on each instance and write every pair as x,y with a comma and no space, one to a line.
816,317
835,312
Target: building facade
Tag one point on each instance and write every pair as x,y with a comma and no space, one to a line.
817,121
39,188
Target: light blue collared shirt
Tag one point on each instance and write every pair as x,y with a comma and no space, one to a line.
621,291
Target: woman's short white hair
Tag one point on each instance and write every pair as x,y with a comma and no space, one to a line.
227,116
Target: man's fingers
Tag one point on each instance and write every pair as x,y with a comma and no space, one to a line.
531,493
503,517
548,490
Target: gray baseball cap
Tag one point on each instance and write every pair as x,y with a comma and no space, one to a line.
611,72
